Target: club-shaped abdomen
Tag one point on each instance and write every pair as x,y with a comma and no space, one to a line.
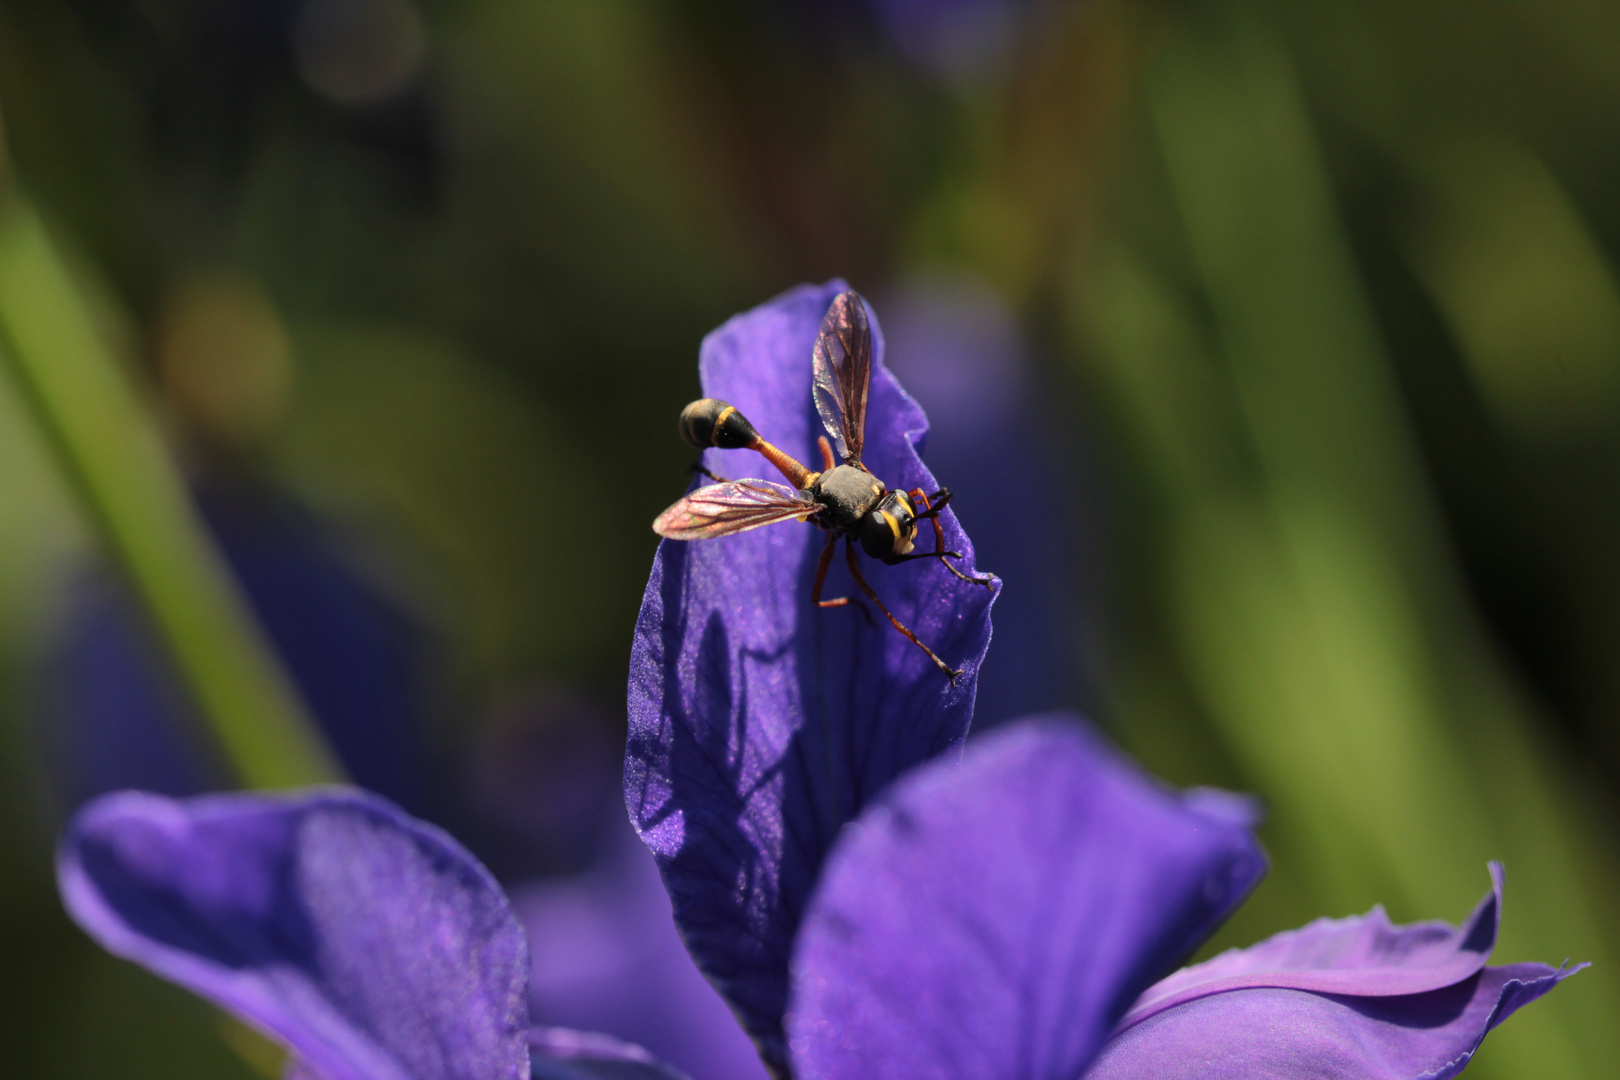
891,528
711,422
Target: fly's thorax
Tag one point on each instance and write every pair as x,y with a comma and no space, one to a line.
890,528
849,494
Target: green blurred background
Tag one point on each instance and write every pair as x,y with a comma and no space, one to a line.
1323,315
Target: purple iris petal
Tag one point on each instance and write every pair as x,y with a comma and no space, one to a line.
1363,955
996,917
1276,1034
369,943
759,724
1353,998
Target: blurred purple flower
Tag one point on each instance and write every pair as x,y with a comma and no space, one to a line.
607,957
958,40
995,443
114,718
760,724
872,912
371,945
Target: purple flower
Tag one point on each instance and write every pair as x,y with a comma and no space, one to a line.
1006,915
371,945
874,903
1341,997
989,918
959,40
999,918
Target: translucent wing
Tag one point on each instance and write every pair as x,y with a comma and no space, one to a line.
732,507
843,361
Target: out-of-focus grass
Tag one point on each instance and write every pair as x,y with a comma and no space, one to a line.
1312,612
1524,287
121,1015
134,494
510,511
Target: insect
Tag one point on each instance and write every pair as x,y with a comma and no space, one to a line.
846,499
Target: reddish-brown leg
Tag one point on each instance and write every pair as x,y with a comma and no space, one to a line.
855,572
821,579
931,511
932,504
826,453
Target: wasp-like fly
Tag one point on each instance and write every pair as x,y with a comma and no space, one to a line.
846,500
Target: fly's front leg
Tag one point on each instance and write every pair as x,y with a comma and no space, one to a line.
821,579
855,572
932,505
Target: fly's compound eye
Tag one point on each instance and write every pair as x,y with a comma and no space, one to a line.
711,422
890,528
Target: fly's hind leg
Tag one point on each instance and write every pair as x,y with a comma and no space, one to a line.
855,572
932,505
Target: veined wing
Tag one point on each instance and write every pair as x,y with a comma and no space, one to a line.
843,362
732,507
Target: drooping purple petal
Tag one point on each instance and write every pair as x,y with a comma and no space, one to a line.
1282,1034
995,917
370,944
1352,998
759,724
1363,955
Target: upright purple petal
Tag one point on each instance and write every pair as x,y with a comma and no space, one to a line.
759,724
370,944
995,917
1356,998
